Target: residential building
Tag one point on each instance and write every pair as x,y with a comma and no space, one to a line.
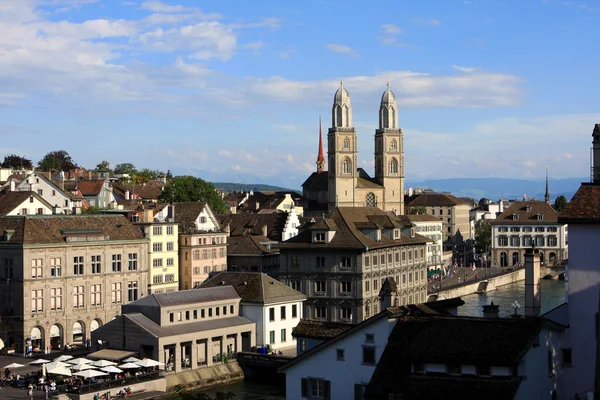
264,202
346,185
580,352
432,228
202,244
149,191
64,276
525,224
252,253
340,262
277,226
275,307
52,191
185,330
23,203
96,193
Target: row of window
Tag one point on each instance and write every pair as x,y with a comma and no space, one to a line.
528,229
373,260
158,279
283,313
206,254
201,313
206,269
79,265
78,293
319,311
205,240
158,230
528,241
158,262
283,336
156,247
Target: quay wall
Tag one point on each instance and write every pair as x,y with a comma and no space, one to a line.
158,385
204,378
482,285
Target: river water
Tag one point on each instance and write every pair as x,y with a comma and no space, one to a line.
552,295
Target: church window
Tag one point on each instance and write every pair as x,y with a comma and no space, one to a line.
386,120
370,200
393,113
346,144
347,115
393,166
393,145
338,116
347,166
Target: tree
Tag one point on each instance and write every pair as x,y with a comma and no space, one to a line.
418,210
189,188
16,162
125,168
483,236
103,166
57,160
149,175
560,203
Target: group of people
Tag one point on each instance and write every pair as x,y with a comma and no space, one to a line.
30,381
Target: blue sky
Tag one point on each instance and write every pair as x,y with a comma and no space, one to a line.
231,90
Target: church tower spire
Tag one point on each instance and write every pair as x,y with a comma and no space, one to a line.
547,196
320,157
389,154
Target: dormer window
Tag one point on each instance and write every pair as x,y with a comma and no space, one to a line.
378,235
320,237
515,217
412,232
539,217
528,208
396,233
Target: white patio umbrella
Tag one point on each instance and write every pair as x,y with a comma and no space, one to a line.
112,369
39,362
82,367
63,358
131,360
147,363
14,366
104,363
55,364
80,361
90,373
129,366
59,371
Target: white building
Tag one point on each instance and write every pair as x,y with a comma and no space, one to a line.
23,203
51,191
431,227
275,307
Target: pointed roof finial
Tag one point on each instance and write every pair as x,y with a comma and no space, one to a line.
388,83
341,82
547,195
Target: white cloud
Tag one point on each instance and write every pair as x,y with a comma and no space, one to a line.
391,29
254,45
236,167
463,69
340,48
427,22
225,153
160,7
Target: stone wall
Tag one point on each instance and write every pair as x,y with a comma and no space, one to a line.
204,378
157,385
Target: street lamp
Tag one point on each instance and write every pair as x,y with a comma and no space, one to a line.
516,306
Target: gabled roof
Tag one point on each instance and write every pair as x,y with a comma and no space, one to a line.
584,207
527,212
186,213
180,329
9,201
90,188
350,221
321,330
249,245
150,190
42,229
183,297
56,185
249,224
429,199
422,218
316,181
255,287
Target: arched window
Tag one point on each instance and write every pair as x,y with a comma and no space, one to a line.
393,112
370,200
386,119
338,116
503,259
393,145
346,143
393,166
347,166
347,115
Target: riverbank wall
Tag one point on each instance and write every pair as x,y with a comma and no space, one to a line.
482,286
205,378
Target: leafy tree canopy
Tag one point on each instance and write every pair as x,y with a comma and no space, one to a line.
189,188
483,236
418,210
103,166
148,175
125,168
57,160
16,162
560,203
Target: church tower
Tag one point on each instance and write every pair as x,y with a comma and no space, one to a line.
320,156
342,152
389,154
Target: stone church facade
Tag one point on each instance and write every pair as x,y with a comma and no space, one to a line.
346,185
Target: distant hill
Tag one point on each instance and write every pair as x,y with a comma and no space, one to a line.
246,187
501,188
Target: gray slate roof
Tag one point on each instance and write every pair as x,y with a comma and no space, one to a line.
255,287
172,330
190,296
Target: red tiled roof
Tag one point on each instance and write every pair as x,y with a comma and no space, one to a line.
584,207
527,212
90,188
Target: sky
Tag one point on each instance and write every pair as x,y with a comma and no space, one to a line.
231,90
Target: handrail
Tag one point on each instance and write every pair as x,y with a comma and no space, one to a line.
100,386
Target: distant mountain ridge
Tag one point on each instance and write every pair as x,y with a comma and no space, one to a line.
246,187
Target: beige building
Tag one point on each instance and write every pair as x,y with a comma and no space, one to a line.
202,244
185,330
525,224
341,262
64,276
346,185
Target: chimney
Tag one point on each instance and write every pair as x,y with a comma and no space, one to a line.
595,156
54,209
127,194
532,283
490,310
89,175
62,181
13,185
257,205
265,231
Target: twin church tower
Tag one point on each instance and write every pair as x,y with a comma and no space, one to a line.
346,185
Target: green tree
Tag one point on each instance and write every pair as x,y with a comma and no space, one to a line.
560,203
125,168
149,175
91,210
103,166
16,162
483,236
418,210
57,160
189,188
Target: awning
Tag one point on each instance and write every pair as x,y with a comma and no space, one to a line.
111,355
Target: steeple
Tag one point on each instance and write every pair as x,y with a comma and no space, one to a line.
547,196
388,110
341,112
320,157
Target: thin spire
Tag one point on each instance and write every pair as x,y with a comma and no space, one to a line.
320,157
547,196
